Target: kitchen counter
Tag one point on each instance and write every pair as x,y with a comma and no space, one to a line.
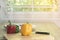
43,27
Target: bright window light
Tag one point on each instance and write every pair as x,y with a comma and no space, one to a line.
32,5
43,2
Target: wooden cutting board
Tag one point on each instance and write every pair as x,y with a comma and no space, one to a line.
31,37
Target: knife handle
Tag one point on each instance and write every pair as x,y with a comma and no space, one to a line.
46,33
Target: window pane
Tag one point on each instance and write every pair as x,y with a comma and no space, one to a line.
22,9
27,9
23,2
42,9
27,2
16,9
18,2
43,2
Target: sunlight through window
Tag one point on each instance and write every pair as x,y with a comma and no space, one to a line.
32,5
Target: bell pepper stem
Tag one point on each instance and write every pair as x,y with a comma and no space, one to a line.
9,22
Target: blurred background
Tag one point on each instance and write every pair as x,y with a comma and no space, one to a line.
23,11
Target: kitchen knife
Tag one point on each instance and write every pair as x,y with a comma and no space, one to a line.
46,33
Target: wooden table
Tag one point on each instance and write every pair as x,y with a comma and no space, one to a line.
31,37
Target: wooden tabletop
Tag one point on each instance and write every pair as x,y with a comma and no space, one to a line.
31,37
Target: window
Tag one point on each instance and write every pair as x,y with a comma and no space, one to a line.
31,5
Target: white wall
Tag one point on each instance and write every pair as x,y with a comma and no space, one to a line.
58,16
35,16
2,10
